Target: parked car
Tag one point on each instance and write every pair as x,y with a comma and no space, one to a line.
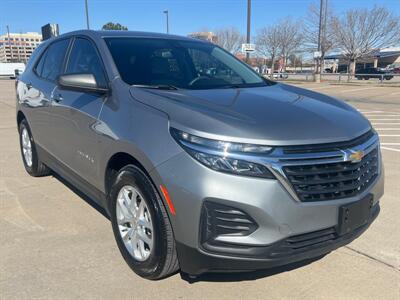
280,75
197,172
368,73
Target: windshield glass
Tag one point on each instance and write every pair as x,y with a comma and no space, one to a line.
179,64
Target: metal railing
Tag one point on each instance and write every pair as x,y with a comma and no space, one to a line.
387,78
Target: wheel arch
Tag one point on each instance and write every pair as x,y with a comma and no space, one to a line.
20,117
115,163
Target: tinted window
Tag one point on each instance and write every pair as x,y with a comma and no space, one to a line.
53,60
39,66
84,59
183,64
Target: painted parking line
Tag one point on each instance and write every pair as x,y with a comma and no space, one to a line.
385,123
398,129
390,144
394,119
323,87
391,115
389,135
356,90
391,149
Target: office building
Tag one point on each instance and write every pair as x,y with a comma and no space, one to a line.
18,47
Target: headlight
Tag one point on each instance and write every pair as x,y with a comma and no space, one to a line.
216,154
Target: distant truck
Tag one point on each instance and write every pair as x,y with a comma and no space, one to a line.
11,70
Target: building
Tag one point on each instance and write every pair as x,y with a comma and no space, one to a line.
49,31
18,47
380,58
204,35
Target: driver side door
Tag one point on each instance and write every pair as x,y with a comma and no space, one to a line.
76,112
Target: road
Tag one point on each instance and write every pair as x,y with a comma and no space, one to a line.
56,245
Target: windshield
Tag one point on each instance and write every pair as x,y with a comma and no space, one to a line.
179,64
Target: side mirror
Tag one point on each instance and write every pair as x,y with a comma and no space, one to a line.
80,82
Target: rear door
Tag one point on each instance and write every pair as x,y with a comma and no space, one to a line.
76,112
37,93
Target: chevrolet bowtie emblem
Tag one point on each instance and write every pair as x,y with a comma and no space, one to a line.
356,156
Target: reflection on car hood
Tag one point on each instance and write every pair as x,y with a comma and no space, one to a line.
272,115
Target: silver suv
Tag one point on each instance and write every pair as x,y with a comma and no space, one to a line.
201,164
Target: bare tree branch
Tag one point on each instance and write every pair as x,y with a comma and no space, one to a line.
281,39
268,43
230,39
359,32
311,28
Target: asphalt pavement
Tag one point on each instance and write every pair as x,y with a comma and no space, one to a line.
54,244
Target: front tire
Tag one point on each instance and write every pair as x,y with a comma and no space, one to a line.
141,225
30,158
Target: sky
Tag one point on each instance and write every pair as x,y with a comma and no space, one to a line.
147,15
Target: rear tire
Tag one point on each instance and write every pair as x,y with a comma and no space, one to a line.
150,248
30,158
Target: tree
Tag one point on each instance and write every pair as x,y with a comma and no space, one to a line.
113,26
268,43
230,39
361,31
311,30
291,38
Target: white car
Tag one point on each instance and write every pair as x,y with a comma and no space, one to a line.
279,75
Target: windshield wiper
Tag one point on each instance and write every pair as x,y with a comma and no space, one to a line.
156,86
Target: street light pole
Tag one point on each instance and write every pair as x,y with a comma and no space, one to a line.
318,59
87,14
166,14
248,27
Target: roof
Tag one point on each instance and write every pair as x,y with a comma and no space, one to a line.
374,53
127,33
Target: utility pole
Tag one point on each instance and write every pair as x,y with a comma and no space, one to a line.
166,14
248,28
87,14
9,45
323,44
317,75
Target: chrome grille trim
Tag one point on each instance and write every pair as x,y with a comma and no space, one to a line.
280,158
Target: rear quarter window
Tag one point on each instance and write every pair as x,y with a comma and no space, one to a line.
52,60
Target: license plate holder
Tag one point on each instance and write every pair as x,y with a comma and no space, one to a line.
355,215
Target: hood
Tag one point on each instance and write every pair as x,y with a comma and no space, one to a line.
273,115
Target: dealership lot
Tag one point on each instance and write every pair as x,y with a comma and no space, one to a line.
55,244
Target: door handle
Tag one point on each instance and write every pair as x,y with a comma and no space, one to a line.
57,98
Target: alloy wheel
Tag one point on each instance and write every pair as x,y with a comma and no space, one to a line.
26,147
134,223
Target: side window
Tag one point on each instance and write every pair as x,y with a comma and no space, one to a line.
39,66
53,60
85,59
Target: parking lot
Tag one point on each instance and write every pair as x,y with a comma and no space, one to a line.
56,245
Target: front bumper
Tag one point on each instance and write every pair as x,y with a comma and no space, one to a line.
278,215
195,261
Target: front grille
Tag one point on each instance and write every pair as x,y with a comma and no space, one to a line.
328,181
329,146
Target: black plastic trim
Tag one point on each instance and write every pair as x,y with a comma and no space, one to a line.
197,261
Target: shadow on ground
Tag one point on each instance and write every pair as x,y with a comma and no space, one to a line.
208,277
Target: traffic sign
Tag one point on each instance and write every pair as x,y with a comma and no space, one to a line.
248,48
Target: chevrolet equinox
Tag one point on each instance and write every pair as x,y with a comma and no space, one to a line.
201,164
